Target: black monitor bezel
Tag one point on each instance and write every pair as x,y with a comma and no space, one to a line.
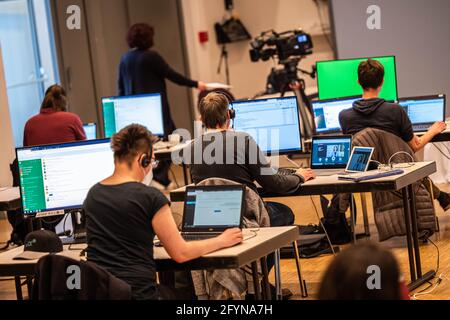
427,97
327,137
362,58
212,229
280,152
68,144
136,96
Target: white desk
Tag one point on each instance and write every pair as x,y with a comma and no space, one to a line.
9,199
403,183
250,251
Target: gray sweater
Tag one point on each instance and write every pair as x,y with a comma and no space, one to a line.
236,156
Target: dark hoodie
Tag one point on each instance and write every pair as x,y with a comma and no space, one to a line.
378,114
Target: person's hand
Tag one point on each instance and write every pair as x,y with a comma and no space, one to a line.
230,238
306,174
438,128
201,86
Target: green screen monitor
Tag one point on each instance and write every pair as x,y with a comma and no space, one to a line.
339,78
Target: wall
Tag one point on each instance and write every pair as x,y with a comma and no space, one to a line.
6,138
416,31
249,78
90,57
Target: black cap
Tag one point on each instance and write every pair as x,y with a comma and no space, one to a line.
39,244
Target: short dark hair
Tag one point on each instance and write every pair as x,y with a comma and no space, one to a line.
131,141
370,74
141,36
347,275
214,110
55,98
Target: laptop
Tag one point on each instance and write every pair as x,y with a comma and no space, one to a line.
359,162
209,211
330,154
424,111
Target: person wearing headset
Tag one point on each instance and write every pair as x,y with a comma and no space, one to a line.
123,216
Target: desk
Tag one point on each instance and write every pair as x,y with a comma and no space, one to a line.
10,199
165,154
403,183
266,241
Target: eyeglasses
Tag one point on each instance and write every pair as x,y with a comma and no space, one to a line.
154,163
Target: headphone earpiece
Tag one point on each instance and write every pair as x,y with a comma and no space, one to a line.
146,161
232,114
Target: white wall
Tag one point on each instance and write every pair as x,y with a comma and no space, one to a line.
249,78
6,137
417,32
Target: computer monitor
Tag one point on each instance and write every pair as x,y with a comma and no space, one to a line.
91,131
326,113
273,123
58,177
339,78
330,152
424,111
146,110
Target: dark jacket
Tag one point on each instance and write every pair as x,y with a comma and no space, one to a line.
377,114
51,278
145,71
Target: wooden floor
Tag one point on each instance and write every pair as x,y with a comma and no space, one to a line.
313,269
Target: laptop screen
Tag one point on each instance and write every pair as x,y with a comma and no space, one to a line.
331,152
216,208
359,160
424,110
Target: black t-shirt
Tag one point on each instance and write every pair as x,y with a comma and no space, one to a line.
120,233
377,114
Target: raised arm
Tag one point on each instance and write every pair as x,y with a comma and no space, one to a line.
182,251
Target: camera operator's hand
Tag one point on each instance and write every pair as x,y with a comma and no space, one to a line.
296,86
201,86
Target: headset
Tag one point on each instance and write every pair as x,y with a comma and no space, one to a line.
146,161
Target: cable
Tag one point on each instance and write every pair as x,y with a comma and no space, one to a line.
438,255
398,153
439,281
440,150
323,227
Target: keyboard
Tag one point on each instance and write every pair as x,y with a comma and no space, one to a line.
198,237
421,127
286,172
78,238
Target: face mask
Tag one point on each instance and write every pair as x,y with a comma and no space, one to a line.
148,178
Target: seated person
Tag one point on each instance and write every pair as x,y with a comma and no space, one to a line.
237,157
53,124
123,216
374,112
349,274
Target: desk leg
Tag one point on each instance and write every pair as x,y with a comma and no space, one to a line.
415,231
18,288
303,288
30,287
407,213
185,175
265,283
256,280
277,269
365,214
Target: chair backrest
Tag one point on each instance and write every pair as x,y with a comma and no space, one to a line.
61,278
386,145
255,213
